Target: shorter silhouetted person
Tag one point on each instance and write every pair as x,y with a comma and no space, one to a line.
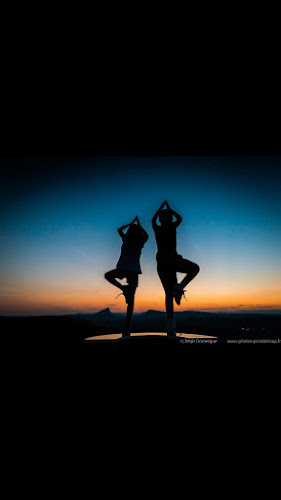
169,262
128,265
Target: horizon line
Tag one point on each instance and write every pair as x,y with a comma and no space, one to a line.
212,311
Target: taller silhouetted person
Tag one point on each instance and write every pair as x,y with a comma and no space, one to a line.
128,266
169,262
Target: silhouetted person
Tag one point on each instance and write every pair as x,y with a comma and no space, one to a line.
128,265
169,261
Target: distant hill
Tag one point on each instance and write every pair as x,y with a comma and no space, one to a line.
103,315
74,328
188,321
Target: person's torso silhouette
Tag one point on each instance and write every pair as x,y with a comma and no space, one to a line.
130,254
166,239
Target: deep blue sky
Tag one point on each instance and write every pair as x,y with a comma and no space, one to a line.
59,220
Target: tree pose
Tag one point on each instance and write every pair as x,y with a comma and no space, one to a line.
169,262
128,266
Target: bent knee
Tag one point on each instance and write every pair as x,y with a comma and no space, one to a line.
196,268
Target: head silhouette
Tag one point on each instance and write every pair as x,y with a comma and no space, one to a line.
134,232
166,217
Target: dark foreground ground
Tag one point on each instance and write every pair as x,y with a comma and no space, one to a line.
72,330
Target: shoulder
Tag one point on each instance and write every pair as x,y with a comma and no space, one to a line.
124,238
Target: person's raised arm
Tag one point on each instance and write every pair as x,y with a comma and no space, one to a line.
144,233
178,218
156,215
121,229
176,215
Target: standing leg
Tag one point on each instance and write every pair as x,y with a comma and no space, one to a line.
130,309
168,279
169,296
132,279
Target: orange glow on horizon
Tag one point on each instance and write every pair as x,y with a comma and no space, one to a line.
65,296
50,302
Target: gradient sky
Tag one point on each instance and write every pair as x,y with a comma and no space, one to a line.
59,220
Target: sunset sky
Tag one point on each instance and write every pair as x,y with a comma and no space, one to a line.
59,220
